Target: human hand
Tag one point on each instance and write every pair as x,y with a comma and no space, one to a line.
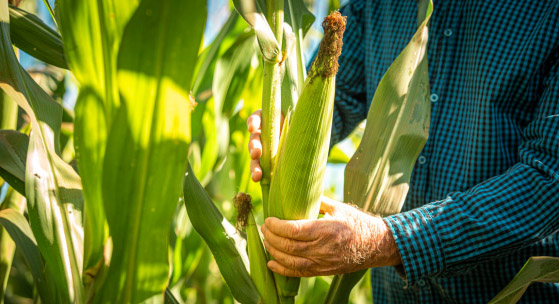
254,122
344,240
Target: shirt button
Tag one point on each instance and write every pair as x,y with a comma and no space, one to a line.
421,160
434,97
421,283
448,32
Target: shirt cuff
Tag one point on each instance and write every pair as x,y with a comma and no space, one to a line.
418,242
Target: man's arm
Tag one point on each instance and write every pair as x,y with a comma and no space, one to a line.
494,218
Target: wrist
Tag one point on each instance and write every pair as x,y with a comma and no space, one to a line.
383,250
389,249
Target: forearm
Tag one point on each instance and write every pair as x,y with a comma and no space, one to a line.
377,245
494,218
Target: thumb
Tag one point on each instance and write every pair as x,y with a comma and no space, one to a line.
328,206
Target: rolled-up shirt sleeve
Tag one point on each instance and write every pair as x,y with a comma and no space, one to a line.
496,217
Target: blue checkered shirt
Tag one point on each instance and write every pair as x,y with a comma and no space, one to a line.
484,193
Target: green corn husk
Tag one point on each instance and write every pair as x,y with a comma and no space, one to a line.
261,275
297,180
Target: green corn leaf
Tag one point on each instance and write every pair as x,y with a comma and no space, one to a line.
33,36
225,242
187,247
298,21
53,189
341,287
170,298
211,153
300,18
56,221
8,112
231,74
92,32
253,12
290,84
147,145
13,151
209,148
314,290
207,60
8,120
231,53
16,203
378,174
51,12
18,228
90,139
338,156
536,269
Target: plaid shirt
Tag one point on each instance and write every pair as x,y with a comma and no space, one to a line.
484,194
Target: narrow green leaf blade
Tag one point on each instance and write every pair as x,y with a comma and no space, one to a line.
291,82
170,298
55,208
225,242
210,55
13,151
33,36
92,32
300,19
90,138
18,228
341,287
231,74
338,156
8,112
53,189
147,145
253,12
378,174
536,269
15,202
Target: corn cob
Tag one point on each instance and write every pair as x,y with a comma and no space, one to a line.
297,179
262,277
